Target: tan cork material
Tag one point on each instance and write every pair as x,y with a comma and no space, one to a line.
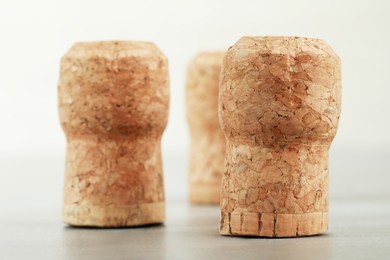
207,139
279,107
113,108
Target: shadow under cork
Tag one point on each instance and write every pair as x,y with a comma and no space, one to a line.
277,238
81,227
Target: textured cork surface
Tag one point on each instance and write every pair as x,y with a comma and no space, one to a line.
207,139
279,107
113,107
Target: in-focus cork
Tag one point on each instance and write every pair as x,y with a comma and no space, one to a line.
279,107
113,108
207,152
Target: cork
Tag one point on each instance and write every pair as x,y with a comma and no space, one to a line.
279,107
207,152
113,108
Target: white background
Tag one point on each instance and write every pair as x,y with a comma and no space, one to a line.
35,34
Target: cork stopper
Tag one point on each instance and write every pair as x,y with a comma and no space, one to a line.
279,107
207,140
113,108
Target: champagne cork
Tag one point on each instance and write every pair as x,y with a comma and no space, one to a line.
113,108
279,107
207,152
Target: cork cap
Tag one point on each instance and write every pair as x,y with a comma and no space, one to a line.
285,89
115,87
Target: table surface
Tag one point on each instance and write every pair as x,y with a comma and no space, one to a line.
191,232
30,206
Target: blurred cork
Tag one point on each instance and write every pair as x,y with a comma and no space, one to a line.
279,107
207,140
113,108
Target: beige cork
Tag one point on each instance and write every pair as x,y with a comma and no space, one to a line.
207,152
113,107
279,107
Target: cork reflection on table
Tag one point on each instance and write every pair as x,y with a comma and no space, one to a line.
113,108
207,139
279,107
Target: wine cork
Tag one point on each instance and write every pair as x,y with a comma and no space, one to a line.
113,108
207,152
279,107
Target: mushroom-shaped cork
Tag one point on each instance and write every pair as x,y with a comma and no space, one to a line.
113,108
279,107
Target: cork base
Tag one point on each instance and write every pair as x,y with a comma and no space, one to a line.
205,193
273,225
114,216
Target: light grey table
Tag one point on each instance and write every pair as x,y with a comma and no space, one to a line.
191,232
31,228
